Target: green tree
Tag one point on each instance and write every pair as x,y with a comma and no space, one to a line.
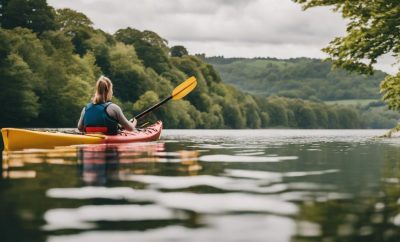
277,112
35,15
146,100
372,31
251,112
17,92
127,73
321,115
77,26
305,117
178,51
265,119
149,46
232,114
333,119
348,118
213,119
68,81
22,65
69,21
180,114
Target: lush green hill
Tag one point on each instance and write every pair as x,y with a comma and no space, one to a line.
303,78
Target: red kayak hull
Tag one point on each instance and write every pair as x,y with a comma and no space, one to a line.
150,133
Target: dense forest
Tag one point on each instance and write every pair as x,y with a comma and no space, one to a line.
50,59
303,78
308,79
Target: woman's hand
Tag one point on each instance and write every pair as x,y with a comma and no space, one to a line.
134,121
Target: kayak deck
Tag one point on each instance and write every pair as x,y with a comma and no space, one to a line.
18,139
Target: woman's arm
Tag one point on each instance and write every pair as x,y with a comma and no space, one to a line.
80,122
115,112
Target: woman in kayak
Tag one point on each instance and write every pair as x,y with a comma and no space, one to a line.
101,115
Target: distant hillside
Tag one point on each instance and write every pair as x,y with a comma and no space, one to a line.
303,78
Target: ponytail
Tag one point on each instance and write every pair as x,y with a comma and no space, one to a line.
104,90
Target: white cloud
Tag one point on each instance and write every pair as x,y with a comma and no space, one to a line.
266,21
241,28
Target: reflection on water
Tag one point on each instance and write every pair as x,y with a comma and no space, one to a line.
101,163
246,185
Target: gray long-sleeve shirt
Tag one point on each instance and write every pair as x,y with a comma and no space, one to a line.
114,111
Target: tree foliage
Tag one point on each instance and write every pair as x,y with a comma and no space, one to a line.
77,26
150,47
178,51
35,15
373,30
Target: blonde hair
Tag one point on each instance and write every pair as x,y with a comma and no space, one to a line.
104,90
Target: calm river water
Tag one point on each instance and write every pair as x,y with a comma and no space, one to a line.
207,185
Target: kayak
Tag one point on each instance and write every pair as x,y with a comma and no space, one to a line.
18,139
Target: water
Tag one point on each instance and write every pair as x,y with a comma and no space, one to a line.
203,185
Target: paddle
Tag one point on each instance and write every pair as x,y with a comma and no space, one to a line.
179,92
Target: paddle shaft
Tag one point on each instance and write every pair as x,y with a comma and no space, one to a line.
179,92
153,107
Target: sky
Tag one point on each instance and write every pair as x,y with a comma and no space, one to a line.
230,28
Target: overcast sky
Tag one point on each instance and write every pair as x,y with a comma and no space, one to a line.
232,28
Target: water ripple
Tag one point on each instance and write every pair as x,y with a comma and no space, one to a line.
223,183
232,228
245,158
82,217
201,203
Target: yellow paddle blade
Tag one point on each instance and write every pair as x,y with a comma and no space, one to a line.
184,88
